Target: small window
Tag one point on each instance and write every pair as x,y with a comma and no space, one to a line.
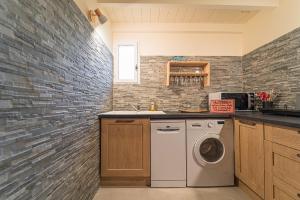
126,68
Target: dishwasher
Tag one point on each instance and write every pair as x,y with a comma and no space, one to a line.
168,153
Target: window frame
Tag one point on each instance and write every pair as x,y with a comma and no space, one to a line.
136,79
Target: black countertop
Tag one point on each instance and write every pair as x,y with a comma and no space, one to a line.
269,118
255,116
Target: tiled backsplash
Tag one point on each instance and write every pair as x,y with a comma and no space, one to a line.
226,75
55,77
275,65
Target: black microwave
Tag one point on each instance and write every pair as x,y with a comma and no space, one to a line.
244,101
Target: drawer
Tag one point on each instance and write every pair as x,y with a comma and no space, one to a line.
284,191
283,135
286,165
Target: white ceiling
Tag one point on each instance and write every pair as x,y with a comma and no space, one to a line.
218,3
184,11
175,14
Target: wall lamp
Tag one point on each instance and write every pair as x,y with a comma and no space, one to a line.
94,14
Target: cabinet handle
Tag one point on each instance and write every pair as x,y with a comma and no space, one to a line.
124,121
168,129
247,123
196,125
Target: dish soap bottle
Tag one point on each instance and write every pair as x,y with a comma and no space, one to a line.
153,106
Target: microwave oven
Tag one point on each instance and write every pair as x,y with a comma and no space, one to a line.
244,101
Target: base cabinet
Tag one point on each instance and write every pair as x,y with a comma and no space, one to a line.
249,154
267,160
125,151
283,169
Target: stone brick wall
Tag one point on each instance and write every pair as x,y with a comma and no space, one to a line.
275,65
226,75
55,77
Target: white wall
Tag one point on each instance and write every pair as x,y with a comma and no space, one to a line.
181,39
105,30
270,24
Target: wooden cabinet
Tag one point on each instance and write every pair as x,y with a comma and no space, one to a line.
268,160
125,151
283,191
282,152
249,154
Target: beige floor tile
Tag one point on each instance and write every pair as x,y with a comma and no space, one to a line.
222,193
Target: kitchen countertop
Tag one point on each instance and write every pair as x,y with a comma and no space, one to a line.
168,115
255,116
269,118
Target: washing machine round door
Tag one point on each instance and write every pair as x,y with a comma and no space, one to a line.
209,150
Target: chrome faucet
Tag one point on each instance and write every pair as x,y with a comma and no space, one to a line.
136,108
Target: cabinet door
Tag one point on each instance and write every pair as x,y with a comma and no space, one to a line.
125,148
249,154
284,191
280,195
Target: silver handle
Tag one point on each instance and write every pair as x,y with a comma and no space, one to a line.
249,102
168,129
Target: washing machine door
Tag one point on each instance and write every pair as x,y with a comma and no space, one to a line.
209,150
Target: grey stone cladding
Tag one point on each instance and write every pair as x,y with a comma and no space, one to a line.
226,75
275,65
55,77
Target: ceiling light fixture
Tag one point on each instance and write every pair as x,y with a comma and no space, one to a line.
94,14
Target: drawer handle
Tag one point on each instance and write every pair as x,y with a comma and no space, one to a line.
124,121
247,123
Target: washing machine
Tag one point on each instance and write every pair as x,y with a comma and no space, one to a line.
210,153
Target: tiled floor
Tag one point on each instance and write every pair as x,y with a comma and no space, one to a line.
223,193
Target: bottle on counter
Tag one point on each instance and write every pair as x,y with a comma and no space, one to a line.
153,106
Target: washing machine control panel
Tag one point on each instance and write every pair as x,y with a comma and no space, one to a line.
213,126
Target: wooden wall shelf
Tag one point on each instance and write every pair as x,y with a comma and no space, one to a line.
192,69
